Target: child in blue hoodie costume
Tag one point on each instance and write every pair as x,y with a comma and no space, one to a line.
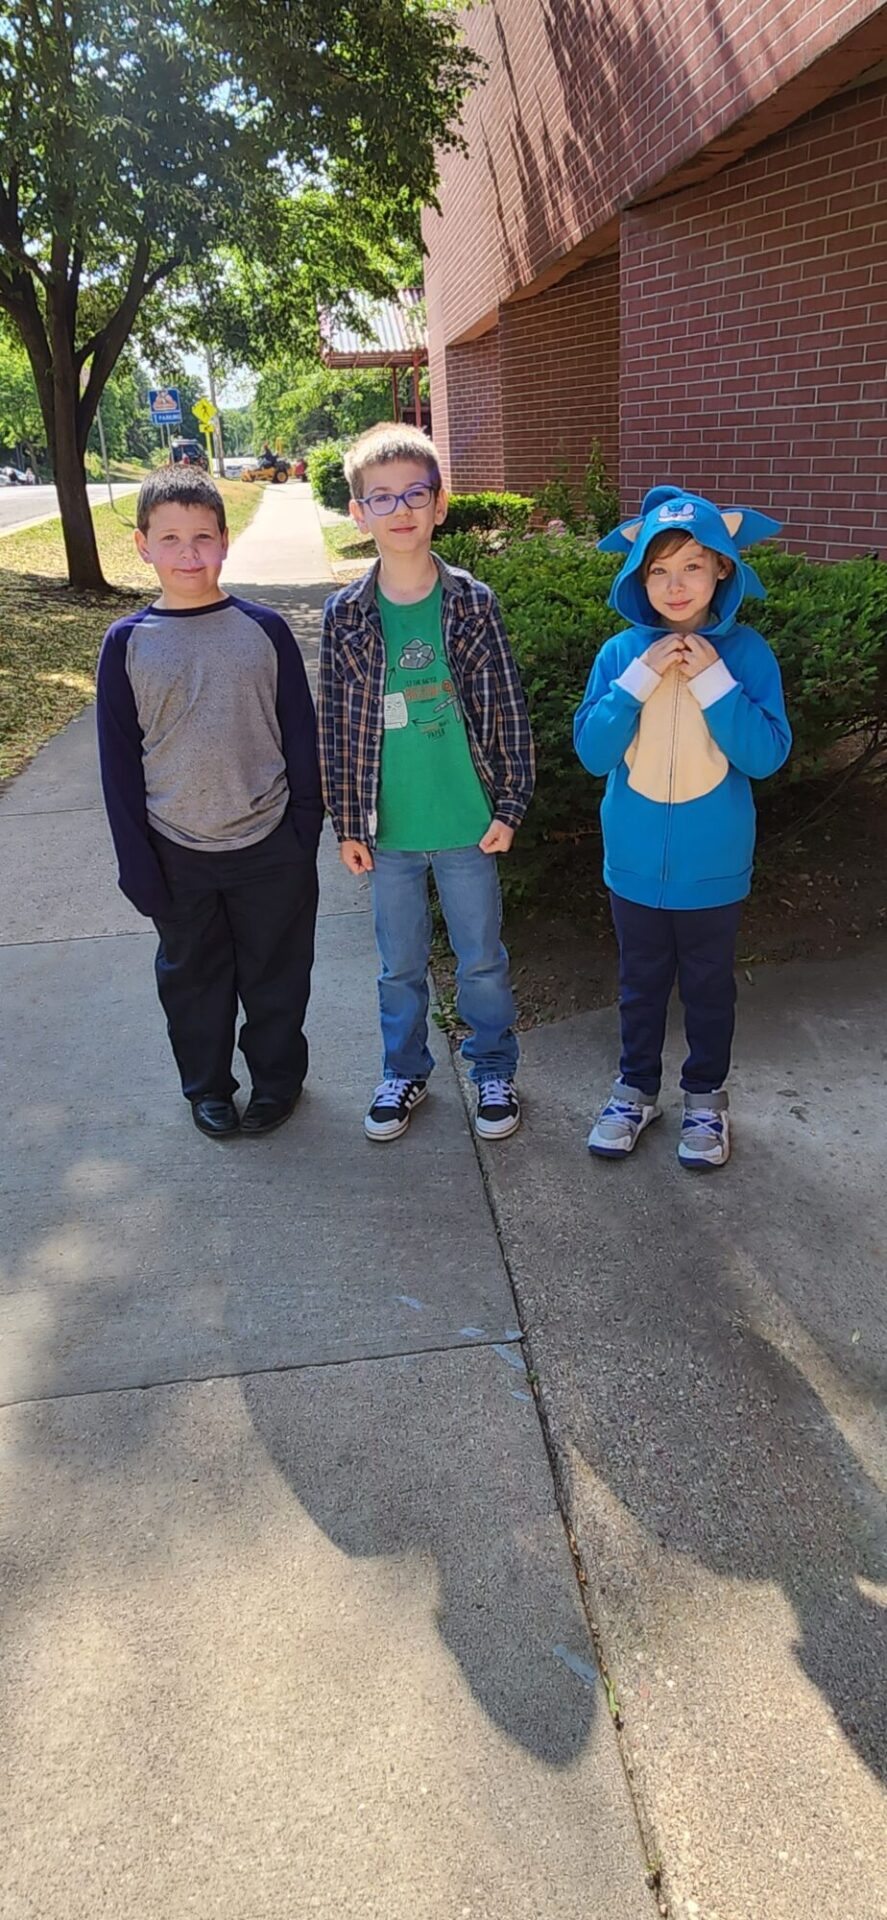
681,712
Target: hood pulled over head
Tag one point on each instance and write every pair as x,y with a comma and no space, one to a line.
669,509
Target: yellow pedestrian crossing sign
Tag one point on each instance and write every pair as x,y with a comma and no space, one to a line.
205,412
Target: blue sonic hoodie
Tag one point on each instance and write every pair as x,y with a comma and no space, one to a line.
678,817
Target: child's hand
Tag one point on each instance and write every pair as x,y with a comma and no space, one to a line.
665,653
698,654
355,856
497,838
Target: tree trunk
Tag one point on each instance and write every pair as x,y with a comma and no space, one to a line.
84,565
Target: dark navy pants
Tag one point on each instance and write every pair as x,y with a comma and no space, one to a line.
656,946
241,928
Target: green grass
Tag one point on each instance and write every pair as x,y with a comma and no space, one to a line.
120,469
50,637
344,541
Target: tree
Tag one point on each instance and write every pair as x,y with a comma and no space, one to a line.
239,425
139,139
20,420
300,403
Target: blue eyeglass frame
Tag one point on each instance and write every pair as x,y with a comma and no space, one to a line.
367,500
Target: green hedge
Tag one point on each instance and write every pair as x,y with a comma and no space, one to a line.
826,624
483,511
326,474
509,512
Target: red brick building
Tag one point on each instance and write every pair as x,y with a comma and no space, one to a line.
669,234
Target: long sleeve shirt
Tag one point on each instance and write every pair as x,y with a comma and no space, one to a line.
207,736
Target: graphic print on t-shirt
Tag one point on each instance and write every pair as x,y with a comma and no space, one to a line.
426,702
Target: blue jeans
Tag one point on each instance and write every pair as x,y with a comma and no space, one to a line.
468,885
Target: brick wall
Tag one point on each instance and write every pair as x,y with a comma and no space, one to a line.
754,332
587,103
472,400
528,398
559,355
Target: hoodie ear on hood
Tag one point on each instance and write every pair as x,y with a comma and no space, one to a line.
669,509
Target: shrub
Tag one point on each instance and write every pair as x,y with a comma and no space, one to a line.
827,626
471,512
326,475
600,497
591,507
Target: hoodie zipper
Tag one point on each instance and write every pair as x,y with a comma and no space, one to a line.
672,761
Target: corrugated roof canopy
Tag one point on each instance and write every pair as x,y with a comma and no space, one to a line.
391,333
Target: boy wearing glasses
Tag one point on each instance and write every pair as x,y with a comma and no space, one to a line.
427,762
208,753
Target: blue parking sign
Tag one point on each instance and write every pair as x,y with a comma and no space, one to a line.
165,405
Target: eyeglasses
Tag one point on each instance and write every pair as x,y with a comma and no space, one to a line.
384,504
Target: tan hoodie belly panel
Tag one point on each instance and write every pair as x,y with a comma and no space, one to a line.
673,755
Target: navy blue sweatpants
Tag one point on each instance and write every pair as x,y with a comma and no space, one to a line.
656,946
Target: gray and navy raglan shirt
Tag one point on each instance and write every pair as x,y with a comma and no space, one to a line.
207,736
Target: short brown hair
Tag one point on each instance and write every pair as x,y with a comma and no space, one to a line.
390,440
662,544
180,487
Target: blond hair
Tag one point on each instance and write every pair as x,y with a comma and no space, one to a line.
390,440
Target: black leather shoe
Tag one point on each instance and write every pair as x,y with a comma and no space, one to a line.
265,1113
215,1117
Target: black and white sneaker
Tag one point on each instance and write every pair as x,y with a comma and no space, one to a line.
498,1108
392,1105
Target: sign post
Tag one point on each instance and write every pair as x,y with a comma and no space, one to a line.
84,383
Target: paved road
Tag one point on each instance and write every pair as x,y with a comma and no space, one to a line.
36,503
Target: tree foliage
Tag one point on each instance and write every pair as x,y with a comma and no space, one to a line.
301,403
144,139
21,424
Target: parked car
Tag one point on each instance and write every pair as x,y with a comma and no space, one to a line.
17,477
189,453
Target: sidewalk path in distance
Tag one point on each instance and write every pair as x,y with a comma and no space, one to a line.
289,1623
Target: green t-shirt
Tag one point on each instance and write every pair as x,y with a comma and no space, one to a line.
430,796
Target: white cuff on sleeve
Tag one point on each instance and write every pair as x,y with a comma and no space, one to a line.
712,684
639,679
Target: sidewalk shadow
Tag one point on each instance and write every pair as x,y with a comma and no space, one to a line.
300,606
663,1354
376,1484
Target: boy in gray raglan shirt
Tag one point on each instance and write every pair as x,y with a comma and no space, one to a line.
208,755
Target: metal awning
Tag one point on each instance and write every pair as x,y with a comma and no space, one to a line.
389,333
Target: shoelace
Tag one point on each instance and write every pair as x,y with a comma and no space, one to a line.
495,1092
705,1118
390,1093
621,1110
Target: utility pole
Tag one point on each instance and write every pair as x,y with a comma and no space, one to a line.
103,445
211,379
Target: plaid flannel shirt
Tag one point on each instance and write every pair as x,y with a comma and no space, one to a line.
351,694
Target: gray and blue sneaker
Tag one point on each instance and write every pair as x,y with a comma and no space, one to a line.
391,1107
705,1131
621,1122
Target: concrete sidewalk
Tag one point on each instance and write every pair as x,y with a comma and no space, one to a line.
290,1623
712,1362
